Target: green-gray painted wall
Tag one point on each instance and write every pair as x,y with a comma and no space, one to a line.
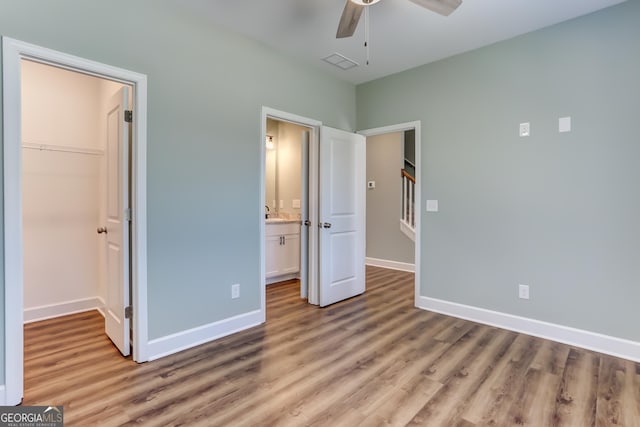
206,88
559,212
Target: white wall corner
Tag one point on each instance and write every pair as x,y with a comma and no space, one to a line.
601,343
184,340
393,265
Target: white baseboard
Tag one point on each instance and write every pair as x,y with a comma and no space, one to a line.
175,343
50,311
393,265
278,279
613,346
101,306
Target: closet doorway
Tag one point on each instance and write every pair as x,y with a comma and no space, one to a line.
73,184
125,259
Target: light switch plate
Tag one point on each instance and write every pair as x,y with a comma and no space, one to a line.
525,129
281,204
432,206
564,124
295,203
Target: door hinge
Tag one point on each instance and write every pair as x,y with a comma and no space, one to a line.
128,116
128,312
127,214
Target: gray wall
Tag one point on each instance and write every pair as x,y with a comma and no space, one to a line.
384,238
206,90
559,212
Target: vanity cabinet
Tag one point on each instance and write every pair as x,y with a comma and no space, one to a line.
282,251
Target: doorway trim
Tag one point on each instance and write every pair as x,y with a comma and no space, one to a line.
13,51
314,138
401,127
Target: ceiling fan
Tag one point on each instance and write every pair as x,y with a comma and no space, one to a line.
353,9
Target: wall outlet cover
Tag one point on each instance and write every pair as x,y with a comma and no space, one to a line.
523,291
295,203
432,206
371,184
564,124
525,129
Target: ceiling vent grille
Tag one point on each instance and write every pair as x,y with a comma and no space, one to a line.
340,61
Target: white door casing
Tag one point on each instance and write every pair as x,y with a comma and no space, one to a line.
117,227
342,215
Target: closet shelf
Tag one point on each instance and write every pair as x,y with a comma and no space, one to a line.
62,148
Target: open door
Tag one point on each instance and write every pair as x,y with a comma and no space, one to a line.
118,217
304,216
342,215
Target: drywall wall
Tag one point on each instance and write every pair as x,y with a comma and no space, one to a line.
60,190
206,89
385,241
556,211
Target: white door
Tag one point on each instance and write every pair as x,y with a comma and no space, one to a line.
342,215
304,215
117,226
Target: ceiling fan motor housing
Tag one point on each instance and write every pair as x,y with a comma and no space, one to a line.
365,2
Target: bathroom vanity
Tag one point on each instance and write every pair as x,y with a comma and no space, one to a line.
282,249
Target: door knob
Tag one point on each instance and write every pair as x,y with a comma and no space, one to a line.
307,222
101,230
327,225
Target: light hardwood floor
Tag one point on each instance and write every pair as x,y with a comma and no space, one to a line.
372,360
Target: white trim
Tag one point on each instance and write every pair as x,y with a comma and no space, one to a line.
49,311
13,51
416,125
314,126
101,306
283,278
393,265
407,230
3,396
184,340
613,346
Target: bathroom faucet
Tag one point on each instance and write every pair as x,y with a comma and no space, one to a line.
266,212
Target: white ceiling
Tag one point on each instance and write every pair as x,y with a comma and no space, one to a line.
403,35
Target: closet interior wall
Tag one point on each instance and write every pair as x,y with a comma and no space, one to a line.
63,188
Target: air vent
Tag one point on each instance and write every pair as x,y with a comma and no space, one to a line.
340,61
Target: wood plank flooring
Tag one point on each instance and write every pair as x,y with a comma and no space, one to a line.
370,361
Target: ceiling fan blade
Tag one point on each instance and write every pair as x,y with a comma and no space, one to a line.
443,7
349,19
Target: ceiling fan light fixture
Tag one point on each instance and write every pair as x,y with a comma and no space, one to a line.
365,2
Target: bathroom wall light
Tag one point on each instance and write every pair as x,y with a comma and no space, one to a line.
269,142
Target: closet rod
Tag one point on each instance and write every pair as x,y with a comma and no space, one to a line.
62,149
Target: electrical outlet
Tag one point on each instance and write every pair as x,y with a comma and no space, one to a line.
525,129
235,291
523,291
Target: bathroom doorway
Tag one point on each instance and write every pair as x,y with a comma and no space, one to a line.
286,195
